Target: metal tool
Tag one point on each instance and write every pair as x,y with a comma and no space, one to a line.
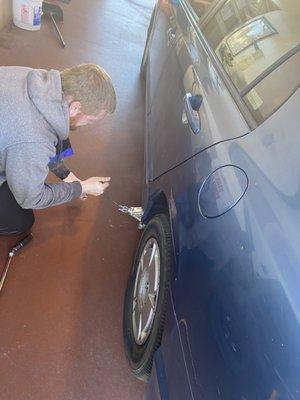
18,246
134,212
56,14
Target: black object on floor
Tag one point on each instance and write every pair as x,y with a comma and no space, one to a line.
18,246
56,14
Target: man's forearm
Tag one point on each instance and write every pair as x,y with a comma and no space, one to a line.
52,195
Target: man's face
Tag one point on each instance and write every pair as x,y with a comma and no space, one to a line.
77,118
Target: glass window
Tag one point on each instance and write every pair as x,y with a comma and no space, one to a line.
252,38
201,6
262,101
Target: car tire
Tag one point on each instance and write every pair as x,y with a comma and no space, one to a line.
140,345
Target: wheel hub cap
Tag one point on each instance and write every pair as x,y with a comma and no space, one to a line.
146,290
143,289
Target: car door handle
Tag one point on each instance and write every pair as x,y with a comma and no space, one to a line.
192,105
171,36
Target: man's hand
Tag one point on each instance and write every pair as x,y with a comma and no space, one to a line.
95,186
73,178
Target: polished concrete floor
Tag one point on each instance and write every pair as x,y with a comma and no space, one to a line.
61,307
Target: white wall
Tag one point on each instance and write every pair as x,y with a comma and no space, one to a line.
5,12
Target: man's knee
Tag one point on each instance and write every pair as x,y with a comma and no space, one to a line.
13,218
20,225
26,222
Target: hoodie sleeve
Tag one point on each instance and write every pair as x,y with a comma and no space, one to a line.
26,171
59,169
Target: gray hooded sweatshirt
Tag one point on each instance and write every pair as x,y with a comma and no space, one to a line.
34,116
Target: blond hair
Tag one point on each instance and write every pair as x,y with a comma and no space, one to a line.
91,86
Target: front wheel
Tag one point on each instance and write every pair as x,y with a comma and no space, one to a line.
146,294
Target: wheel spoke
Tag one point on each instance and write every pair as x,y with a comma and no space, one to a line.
152,254
142,262
134,304
152,299
140,328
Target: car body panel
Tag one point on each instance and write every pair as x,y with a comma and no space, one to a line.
153,391
169,361
242,268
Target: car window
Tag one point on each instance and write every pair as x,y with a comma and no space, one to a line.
253,38
261,101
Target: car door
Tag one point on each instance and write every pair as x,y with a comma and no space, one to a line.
188,102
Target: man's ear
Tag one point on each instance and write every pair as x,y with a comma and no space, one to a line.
74,108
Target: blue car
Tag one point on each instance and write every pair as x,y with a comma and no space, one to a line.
212,307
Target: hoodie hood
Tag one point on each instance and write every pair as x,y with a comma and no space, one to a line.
45,92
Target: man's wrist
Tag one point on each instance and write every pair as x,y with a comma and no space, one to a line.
83,187
77,189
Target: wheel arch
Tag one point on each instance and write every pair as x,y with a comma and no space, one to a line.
157,204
